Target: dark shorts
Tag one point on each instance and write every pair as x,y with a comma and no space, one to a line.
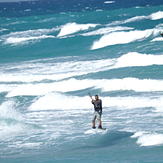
97,115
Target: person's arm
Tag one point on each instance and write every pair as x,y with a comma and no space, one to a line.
93,101
99,101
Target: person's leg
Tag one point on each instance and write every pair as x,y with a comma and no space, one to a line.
100,123
93,124
93,120
99,120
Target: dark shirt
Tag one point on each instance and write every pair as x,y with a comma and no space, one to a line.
97,105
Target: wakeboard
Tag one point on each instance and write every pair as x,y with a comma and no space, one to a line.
102,128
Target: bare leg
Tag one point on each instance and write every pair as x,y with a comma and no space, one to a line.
93,123
100,123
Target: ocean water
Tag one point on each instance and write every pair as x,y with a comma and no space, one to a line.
52,53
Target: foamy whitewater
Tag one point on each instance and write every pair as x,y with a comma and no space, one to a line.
53,53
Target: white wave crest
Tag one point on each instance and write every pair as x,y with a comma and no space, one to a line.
109,2
7,110
123,38
48,102
157,39
106,85
3,29
150,139
153,16
134,84
106,30
71,28
157,15
137,59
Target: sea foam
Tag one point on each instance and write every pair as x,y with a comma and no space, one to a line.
72,69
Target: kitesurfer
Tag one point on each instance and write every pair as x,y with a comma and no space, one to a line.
97,112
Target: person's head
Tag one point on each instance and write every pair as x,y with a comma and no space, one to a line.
96,97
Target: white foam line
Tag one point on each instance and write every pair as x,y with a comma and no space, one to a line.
106,85
134,84
106,30
13,40
57,101
109,2
1,30
29,33
42,71
22,36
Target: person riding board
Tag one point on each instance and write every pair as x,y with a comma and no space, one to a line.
97,112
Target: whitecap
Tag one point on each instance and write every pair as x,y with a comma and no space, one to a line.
106,30
157,39
109,2
157,15
151,139
123,37
71,28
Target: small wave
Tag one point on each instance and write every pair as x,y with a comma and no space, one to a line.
109,2
153,16
99,10
157,39
133,19
149,139
7,110
71,28
23,36
46,71
106,30
12,40
70,103
123,38
73,103
134,84
1,30
105,85
137,59
29,33
157,15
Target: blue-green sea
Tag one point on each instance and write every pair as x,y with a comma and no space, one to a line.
53,53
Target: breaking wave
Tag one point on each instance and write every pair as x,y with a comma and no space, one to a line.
71,28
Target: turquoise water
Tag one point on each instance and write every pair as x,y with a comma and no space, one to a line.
53,53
